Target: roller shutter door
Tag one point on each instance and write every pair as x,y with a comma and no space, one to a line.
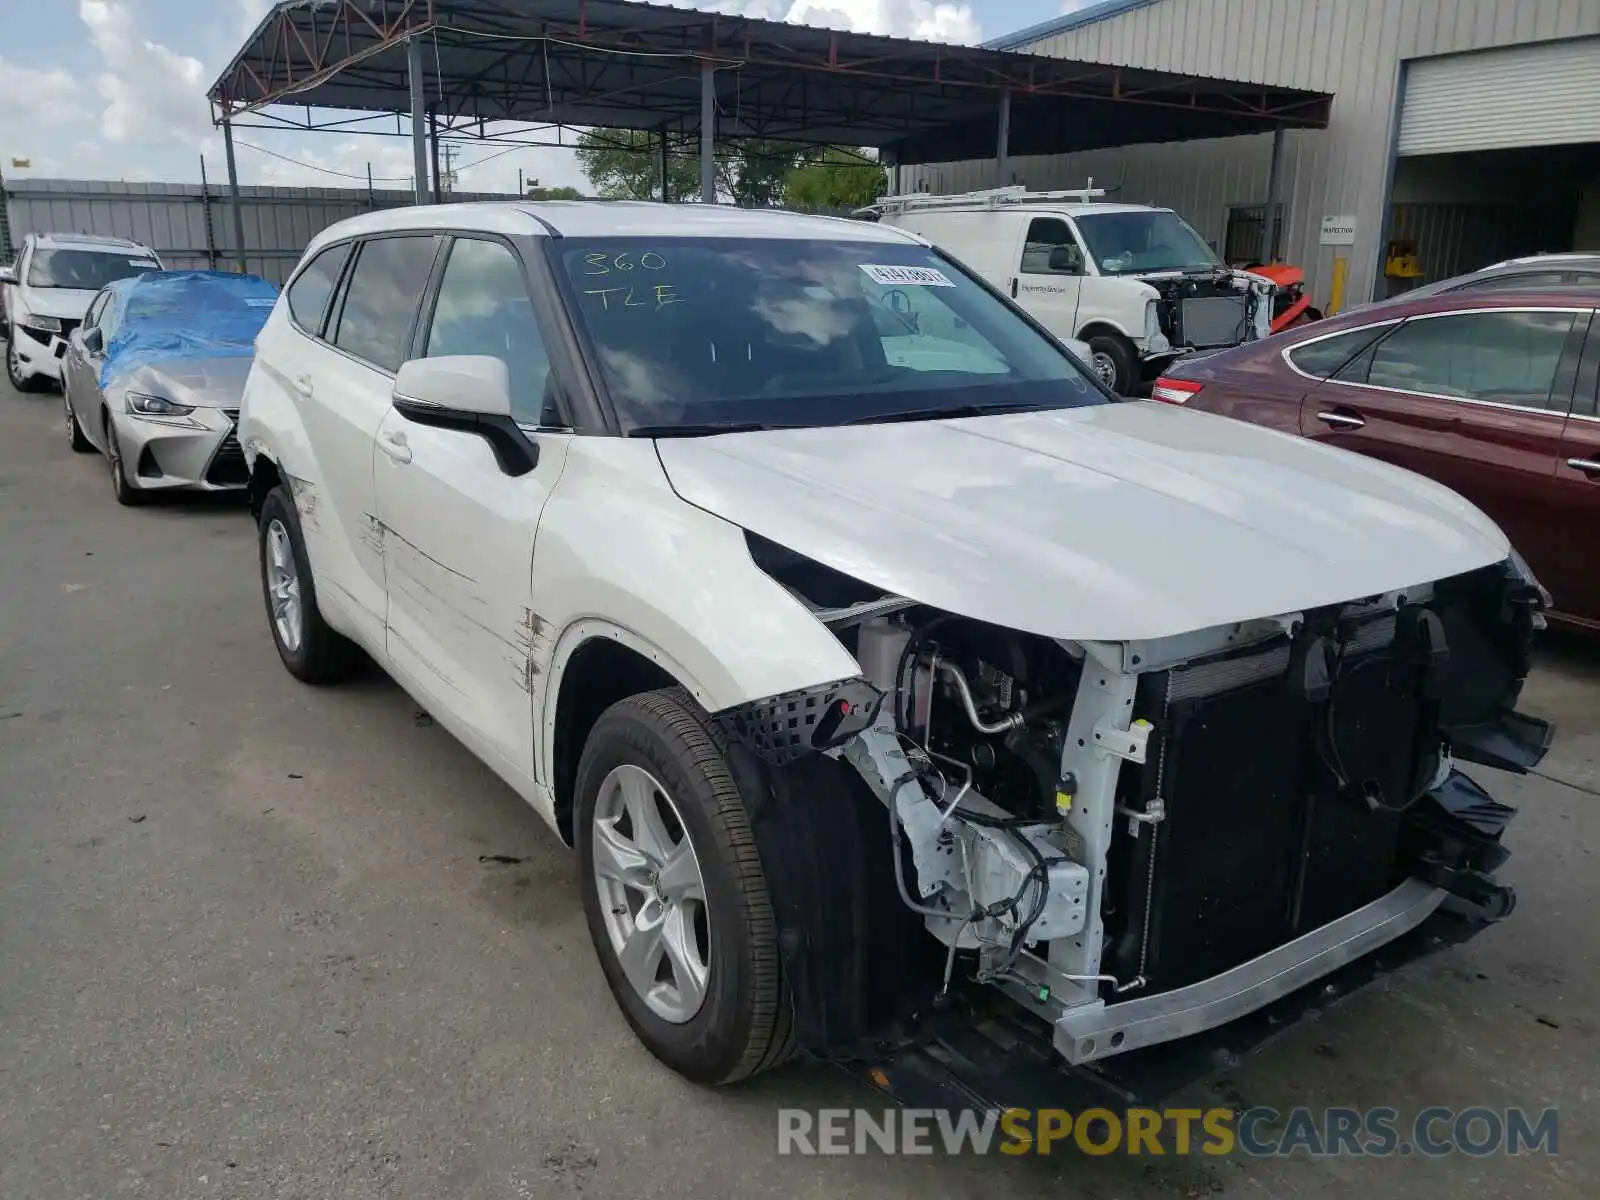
1545,94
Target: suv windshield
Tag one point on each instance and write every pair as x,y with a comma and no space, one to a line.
85,270
693,335
1123,243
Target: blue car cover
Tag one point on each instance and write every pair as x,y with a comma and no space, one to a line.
185,314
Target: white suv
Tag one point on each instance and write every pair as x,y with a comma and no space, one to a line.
48,291
864,646
1137,284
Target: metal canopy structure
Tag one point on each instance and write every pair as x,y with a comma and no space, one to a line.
458,65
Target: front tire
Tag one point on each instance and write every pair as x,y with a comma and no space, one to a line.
1115,361
23,383
310,648
125,492
674,894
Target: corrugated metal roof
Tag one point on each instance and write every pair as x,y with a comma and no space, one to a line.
622,64
1087,15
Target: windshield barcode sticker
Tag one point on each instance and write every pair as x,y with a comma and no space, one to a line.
259,302
891,276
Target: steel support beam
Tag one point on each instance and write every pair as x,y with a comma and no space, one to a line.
433,150
233,194
419,121
666,187
1002,150
708,134
1269,227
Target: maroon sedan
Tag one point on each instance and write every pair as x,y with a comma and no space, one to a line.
1491,393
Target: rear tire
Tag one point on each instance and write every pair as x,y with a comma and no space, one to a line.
1115,361
311,650
742,1022
75,438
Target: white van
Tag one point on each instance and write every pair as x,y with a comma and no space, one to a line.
1137,284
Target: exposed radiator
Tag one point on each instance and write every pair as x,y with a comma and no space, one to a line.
1210,321
1259,844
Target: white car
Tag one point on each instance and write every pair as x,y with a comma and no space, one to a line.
1137,284
864,646
48,291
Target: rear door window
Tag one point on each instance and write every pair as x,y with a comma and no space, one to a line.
1500,357
380,301
311,289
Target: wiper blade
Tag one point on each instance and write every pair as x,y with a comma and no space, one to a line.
951,412
703,429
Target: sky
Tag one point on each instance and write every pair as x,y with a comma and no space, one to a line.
115,89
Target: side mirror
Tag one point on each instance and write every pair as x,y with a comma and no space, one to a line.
8,274
1066,260
94,340
470,393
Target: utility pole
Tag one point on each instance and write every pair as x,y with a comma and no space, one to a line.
5,222
448,179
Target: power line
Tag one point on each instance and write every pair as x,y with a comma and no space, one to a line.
324,170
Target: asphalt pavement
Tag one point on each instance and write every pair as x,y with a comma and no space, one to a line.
263,940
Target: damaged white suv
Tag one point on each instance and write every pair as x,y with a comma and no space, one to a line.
893,681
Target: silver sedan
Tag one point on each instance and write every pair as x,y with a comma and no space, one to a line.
163,426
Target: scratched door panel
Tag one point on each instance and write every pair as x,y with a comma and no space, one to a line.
457,543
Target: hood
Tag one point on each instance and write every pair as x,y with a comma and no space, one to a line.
199,382
1117,522
66,303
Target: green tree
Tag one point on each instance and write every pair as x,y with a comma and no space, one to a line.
838,178
535,192
625,164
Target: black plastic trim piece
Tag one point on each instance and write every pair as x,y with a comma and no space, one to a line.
514,452
780,729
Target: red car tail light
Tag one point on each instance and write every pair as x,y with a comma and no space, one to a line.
1174,391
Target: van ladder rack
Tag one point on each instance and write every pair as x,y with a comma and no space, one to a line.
991,198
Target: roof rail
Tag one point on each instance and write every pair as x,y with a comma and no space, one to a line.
991,198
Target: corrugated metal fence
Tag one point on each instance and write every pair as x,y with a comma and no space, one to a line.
192,226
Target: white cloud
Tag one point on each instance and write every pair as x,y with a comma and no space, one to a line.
250,14
38,111
930,20
153,96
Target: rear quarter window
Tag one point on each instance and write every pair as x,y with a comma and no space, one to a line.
1324,357
309,293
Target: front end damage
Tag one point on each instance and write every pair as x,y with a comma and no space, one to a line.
1073,851
1212,309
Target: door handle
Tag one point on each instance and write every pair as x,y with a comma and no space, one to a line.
1341,420
1588,466
394,445
1013,287
303,385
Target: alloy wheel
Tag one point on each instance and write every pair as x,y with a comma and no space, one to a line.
119,481
283,587
652,894
1105,367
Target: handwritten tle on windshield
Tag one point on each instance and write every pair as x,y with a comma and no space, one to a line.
625,291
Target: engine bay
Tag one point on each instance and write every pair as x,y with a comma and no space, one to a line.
1081,825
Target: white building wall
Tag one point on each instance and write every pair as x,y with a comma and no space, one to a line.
1351,48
